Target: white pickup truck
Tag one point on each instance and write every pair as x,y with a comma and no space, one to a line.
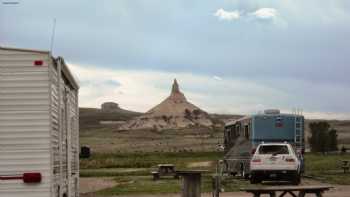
275,161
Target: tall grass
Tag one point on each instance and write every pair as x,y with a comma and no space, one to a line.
320,162
327,168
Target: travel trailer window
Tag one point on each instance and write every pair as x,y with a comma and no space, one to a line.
229,133
233,133
246,131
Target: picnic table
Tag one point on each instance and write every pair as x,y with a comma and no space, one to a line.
345,165
292,190
164,170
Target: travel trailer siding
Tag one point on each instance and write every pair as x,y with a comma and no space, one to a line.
39,131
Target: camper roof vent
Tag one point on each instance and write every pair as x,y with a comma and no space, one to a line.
272,111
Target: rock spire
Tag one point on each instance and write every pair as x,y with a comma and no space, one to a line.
173,112
175,89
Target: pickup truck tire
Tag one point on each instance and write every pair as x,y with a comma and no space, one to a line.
254,180
296,179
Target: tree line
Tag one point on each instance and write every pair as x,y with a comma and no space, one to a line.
323,137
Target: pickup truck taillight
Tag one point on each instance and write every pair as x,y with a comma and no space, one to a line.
256,160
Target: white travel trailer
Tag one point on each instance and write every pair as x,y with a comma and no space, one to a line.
39,130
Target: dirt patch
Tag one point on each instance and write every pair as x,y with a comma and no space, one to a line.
94,184
339,191
90,184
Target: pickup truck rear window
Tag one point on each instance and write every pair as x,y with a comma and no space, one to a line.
273,150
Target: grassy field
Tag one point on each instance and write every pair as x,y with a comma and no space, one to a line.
131,171
90,117
107,139
110,140
146,160
327,168
129,156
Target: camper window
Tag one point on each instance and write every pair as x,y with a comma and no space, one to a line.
246,131
232,133
238,130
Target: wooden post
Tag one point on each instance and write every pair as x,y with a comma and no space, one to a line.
216,186
191,181
192,185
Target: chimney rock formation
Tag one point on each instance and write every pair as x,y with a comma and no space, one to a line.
174,112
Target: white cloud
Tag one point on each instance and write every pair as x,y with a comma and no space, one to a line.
265,13
217,78
227,15
140,90
327,115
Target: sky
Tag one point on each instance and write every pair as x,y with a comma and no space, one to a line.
229,56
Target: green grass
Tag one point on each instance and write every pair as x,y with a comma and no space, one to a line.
90,117
146,160
114,172
140,181
233,184
319,162
327,168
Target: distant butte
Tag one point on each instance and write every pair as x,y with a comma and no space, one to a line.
173,112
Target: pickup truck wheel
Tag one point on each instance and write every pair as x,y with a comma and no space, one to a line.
254,180
296,179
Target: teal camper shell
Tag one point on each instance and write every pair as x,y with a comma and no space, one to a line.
242,136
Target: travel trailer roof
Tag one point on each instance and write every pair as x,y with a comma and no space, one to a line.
24,50
68,75
262,115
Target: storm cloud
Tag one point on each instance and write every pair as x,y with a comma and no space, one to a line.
297,48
